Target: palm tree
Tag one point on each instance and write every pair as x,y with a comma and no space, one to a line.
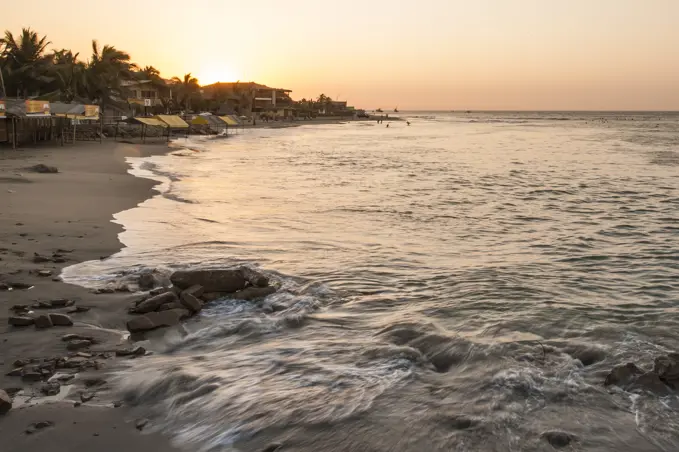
187,88
24,62
244,97
69,76
105,73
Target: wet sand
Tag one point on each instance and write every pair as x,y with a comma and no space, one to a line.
68,213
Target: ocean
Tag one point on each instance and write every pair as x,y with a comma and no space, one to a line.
464,283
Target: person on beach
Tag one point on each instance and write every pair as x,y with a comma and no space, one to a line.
387,126
408,122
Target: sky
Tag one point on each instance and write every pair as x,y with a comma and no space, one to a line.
414,55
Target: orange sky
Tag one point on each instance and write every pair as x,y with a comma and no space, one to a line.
426,54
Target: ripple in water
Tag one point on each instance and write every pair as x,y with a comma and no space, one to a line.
452,285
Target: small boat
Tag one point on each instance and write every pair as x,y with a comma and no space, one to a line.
379,110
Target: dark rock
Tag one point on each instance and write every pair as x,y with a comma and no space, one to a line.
76,337
45,273
558,439
117,404
650,382
42,168
58,260
197,291
61,320
4,286
139,324
141,423
39,259
623,375
157,291
42,305
78,345
21,286
60,302
20,321
272,447
191,302
31,375
77,362
252,293
86,397
229,280
136,351
168,318
587,355
15,372
667,369
22,362
154,320
254,277
43,321
77,404
91,381
51,388
5,402
78,310
173,305
38,426
212,296
153,303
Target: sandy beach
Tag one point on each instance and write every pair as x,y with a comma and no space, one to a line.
49,221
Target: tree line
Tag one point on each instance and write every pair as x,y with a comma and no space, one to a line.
29,70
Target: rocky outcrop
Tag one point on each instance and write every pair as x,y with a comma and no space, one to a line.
660,381
190,290
191,302
667,369
43,321
252,293
60,320
154,320
228,280
42,168
153,303
20,320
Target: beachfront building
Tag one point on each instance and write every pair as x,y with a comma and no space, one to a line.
145,97
250,99
27,121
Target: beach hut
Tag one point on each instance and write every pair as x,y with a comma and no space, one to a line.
208,123
174,124
25,121
149,122
84,121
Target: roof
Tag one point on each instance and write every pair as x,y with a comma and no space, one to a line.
62,108
248,85
19,108
151,122
172,121
230,120
134,82
211,120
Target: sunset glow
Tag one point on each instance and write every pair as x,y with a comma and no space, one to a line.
437,54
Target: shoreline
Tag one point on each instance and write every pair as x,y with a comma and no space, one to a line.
48,222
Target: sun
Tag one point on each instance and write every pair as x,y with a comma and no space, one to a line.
217,72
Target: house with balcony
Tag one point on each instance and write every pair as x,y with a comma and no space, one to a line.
143,96
250,99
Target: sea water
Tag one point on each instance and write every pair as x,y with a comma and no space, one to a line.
462,283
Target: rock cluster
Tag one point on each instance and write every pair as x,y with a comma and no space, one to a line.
40,321
190,290
42,168
662,380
